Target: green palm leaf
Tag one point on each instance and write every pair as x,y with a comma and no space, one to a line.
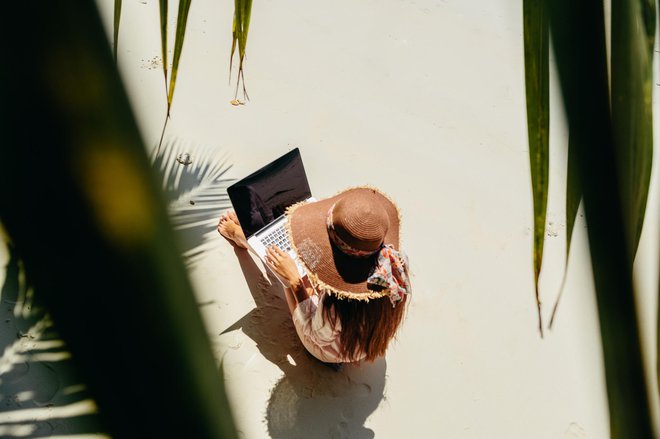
573,193
573,196
181,22
163,38
535,23
632,89
116,27
240,27
179,36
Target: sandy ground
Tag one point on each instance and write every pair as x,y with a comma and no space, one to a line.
424,99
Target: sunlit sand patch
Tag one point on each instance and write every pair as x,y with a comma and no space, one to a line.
84,407
17,430
14,353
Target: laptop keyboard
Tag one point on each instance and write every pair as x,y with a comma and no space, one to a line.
277,237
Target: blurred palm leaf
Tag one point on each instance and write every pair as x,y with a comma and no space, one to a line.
633,31
535,24
633,34
196,194
648,11
578,32
111,276
116,27
240,27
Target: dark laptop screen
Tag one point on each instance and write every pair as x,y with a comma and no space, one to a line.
263,196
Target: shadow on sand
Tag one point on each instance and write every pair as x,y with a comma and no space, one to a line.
194,182
311,400
39,393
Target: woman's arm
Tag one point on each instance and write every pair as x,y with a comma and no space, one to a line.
284,266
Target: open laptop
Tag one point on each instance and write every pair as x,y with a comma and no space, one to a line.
261,199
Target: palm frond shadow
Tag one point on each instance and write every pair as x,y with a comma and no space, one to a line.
196,193
39,392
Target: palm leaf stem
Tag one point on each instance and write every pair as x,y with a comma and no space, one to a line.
162,133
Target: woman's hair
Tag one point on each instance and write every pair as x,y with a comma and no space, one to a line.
365,326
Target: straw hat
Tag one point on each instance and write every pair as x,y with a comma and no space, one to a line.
338,240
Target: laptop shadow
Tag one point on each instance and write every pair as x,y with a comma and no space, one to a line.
311,399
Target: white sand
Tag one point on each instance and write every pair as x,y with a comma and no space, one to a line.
424,99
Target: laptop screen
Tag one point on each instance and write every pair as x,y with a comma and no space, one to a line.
261,197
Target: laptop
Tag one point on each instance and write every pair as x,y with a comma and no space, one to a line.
261,199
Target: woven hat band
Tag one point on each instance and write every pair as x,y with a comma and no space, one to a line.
342,244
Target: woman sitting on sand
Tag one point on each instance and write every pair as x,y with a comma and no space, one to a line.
352,301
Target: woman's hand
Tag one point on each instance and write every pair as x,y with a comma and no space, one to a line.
283,265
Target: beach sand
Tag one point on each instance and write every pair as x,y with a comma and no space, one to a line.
425,100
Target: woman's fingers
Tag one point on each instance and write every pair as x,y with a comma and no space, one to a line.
272,256
279,252
275,252
276,255
282,264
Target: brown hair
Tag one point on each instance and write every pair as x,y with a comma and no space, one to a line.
366,326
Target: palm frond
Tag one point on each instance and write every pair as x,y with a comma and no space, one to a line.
578,33
573,197
116,27
163,38
535,24
573,193
179,37
240,28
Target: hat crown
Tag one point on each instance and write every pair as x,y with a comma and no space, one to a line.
361,221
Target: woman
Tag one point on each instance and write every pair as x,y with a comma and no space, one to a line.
351,303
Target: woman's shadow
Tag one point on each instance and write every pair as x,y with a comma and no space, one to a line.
311,400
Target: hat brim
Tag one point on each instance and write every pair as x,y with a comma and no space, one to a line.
329,268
